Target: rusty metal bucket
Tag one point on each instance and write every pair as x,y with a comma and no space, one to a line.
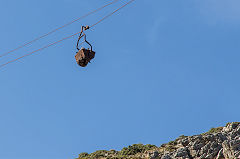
84,56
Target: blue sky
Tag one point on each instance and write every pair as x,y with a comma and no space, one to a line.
163,68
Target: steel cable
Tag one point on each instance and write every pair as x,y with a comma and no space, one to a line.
54,43
84,16
112,13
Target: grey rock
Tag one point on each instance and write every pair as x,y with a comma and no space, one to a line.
217,145
220,154
182,152
153,154
221,143
231,149
166,156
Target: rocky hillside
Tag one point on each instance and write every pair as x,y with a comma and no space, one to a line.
218,143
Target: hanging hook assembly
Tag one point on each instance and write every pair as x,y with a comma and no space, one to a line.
84,56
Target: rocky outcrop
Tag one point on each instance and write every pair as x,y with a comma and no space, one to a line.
218,143
221,143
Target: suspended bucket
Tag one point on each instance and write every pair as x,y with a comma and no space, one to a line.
84,56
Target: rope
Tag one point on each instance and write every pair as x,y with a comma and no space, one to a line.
84,16
65,37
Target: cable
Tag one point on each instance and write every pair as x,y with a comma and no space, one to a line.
84,16
54,43
112,13
38,50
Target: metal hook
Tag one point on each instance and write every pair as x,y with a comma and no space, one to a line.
82,34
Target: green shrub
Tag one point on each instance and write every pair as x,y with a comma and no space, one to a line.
215,130
237,123
182,137
98,154
123,154
136,148
83,155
